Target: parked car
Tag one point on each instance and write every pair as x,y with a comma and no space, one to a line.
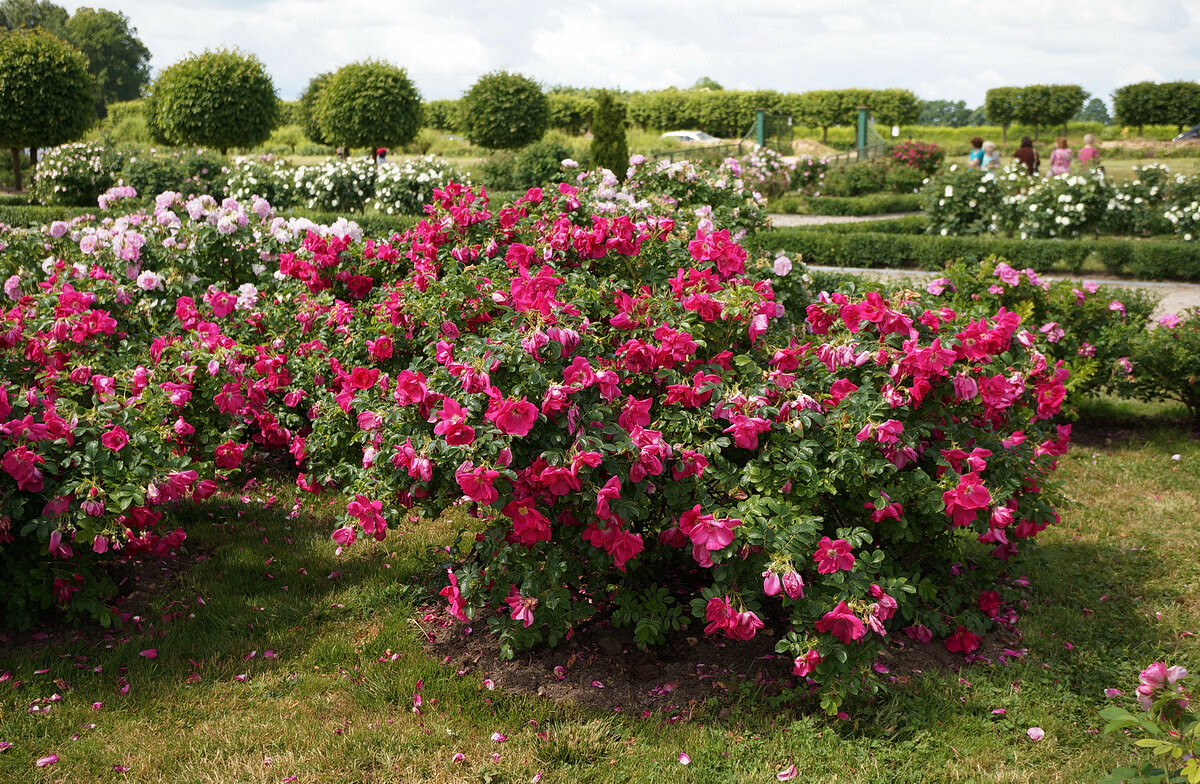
1189,136
690,136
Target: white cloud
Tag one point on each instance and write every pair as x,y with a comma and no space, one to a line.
952,49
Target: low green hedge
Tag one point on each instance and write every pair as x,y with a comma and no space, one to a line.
36,215
871,204
1139,259
373,225
908,224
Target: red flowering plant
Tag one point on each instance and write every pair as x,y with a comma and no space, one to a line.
84,469
620,404
925,156
108,352
1092,329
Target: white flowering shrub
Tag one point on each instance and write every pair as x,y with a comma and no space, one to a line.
405,188
265,176
74,175
1136,205
1060,206
964,201
1184,219
335,185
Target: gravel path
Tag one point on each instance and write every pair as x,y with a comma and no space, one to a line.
1174,296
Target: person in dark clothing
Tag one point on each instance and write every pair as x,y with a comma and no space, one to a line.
1027,156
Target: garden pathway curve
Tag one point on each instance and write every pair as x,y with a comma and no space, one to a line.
1175,297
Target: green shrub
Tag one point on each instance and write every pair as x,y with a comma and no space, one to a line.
499,171
369,104
306,109
1165,364
505,111
540,164
190,172
609,150
47,96
573,113
443,115
218,99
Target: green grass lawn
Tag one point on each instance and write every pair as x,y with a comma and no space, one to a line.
1111,589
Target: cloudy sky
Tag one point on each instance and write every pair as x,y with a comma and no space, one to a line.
937,48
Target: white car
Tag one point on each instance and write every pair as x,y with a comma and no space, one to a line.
690,136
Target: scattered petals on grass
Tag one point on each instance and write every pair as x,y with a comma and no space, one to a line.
536,778
498,737
1110,693
5,745
999,711
1035,733
46,761
459,757
489,684
787,774
150,653
97,705
684,759
598,684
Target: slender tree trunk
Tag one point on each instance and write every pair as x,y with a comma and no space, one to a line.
16,160
33,158
1004,135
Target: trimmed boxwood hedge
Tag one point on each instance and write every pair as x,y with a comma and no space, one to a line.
871,204
1139,259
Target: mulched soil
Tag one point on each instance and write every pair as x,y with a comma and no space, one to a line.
601,667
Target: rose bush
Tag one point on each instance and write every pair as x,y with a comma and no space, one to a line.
613,392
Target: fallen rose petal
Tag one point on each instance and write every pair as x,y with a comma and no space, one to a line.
787,774
498,738
495,756
537,777
1035,733
459,757
97,705
46,761
684,759
598,684
5,745
150,653
999,711
489,684
1112,692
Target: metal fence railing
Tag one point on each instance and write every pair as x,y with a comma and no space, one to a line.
870,152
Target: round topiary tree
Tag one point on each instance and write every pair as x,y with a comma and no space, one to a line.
306,109
369,104
505,111
609,147
47,96
216,99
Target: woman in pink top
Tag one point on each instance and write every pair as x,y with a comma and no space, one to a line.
1089,156
1060,159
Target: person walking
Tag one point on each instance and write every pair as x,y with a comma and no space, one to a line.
1089,154
1027,156
1060,159
991,158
